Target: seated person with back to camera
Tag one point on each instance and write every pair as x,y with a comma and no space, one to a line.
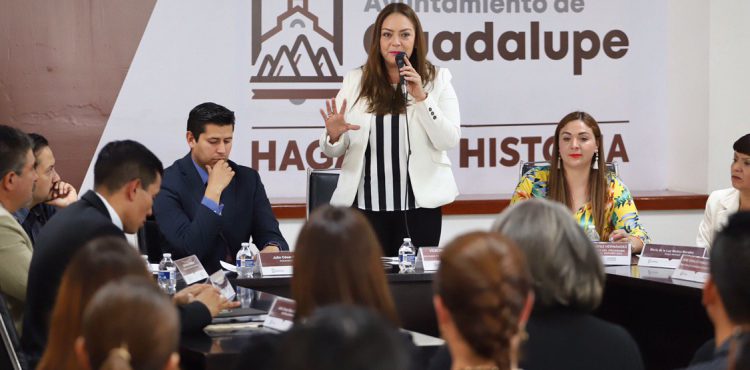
126,178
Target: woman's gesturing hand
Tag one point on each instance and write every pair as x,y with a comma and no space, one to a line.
334,120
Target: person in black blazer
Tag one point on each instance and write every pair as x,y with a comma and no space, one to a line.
568,284
339,336
209,205
126,178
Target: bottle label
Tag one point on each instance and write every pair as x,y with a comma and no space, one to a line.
406,258
246,262
166,274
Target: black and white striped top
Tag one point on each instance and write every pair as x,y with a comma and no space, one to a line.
385,177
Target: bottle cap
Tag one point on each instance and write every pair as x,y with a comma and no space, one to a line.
167,255
407,239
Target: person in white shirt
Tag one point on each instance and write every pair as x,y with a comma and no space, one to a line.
394,125
723,203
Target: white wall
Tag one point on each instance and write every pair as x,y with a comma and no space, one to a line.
729,78
672,227
687,95
709,102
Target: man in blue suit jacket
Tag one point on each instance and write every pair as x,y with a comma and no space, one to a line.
209,205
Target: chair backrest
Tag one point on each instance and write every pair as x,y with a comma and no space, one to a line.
11,357
320,187
151,240
526,166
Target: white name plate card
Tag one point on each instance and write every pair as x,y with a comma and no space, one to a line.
613,253
667,256
191,269
273,264
428,258
281,315
692,269
622,271
654,273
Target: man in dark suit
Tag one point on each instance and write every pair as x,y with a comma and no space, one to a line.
127,177
50,192
209,205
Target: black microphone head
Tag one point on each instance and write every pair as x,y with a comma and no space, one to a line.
400,64
400,59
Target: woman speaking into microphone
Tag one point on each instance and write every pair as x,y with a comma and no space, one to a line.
393,125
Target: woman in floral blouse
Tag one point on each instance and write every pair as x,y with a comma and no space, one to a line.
596,197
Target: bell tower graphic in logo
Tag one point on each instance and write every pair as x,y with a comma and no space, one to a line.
293,59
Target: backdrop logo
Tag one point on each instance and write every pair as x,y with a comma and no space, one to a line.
292,59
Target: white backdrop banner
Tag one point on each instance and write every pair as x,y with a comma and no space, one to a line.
518,66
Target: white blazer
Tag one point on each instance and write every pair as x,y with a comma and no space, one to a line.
720,205
434,127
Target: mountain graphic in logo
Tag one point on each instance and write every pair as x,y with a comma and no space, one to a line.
304,70
295,65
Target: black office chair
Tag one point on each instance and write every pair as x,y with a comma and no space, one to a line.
526,166
11,357
151,240
320,187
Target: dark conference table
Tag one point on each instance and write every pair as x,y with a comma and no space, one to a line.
664,316
199,351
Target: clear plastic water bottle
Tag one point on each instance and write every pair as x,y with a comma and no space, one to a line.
592,234
244,296
406,256
245,262
167,274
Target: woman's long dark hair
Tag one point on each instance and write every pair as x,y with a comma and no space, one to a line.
98,262
325,271
376,88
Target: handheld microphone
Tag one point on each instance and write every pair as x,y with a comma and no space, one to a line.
400,63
